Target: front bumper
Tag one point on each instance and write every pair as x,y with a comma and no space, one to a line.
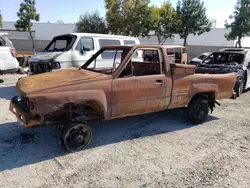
22,115
41,67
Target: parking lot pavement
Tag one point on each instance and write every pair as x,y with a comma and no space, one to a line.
154,150
9,79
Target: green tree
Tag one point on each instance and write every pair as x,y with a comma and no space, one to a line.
128,17
26,14
1,20
91,23
193,19
240,25
164,21
137,17
114,16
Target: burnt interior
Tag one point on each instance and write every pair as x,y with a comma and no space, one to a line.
222,62
224,58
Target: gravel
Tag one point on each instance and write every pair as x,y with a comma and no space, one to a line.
154,150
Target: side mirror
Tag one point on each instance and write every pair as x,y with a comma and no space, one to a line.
116,64
248,65
85,48
56,65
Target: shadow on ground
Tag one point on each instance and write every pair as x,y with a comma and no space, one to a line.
21,146
7,92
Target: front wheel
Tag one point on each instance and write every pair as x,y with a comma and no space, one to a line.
198,110
239,87
76,136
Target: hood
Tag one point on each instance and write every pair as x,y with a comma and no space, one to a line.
216,68
44,56
196,59
40,82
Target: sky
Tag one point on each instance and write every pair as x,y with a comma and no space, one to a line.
69,10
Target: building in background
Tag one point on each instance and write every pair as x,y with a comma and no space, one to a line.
44,32
14,34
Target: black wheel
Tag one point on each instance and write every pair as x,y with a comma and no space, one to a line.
198,110
76,136
239,87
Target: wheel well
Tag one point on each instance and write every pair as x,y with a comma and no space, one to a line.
209,95
96,107
242,77
89,109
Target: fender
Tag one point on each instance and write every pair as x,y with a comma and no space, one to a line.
44,104
204,88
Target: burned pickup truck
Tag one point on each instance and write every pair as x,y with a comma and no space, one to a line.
69,98
227,61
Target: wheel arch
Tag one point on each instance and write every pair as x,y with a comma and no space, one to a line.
209,90
210,95
95,98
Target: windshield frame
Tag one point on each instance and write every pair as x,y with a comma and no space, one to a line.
61,37
99,52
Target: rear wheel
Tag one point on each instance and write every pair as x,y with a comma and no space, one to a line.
76,136
198,110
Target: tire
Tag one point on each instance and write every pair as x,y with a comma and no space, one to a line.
76,136
198,110
239,87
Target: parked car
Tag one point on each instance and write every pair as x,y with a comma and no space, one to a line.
73,50
8,54
197,60
226,61
65,97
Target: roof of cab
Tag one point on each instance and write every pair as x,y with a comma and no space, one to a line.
144,46
164,45
4,34
173,46
97,35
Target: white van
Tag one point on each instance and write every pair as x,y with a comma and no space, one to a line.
73,50
8,61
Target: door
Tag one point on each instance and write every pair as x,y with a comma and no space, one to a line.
145,90
84,50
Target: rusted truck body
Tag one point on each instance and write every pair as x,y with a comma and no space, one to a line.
130,87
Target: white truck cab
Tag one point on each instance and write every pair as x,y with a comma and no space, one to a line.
74,49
